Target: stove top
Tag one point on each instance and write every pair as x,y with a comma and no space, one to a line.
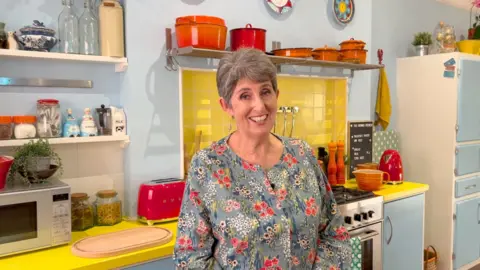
347,195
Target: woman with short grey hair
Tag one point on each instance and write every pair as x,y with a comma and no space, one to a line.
255,200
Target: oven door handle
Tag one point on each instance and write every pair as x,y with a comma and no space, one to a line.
391,230
366,236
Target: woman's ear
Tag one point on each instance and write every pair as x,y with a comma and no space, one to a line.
278,92
225,107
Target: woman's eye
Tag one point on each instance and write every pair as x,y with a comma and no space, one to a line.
267,92
243,96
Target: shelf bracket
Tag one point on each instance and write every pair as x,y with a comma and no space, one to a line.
125,143
121,67
171,62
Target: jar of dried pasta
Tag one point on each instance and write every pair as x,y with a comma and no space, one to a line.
82,212
108,208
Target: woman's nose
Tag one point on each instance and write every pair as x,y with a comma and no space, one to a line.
259,103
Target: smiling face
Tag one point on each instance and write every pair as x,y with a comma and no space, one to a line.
254,107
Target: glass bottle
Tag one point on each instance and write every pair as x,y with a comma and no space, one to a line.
88,24
3,36
82,212
108,208
68,29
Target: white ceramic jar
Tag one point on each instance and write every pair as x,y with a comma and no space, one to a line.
25,126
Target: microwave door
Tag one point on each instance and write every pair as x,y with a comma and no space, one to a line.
26,221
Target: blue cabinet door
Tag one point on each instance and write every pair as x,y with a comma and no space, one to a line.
163,264
467,232
468,109
467,159
403,234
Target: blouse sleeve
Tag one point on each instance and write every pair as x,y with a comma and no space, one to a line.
334,250
194,243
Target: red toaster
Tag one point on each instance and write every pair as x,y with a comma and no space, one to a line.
160,200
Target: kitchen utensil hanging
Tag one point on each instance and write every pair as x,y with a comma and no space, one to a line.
343,11
281,6
285,110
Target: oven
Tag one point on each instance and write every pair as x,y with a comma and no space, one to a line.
370,237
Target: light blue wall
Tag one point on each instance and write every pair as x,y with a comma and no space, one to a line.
394,24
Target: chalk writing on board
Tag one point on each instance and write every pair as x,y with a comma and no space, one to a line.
360,143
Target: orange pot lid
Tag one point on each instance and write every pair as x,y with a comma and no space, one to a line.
326,48
352,41
353,50
5,119
25,119
200,19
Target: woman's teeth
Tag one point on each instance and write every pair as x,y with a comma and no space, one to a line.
259,118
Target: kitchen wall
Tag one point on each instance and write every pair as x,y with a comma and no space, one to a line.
395,22
150,93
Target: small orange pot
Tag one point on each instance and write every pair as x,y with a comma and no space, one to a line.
325,54
353,56
294,52
352,44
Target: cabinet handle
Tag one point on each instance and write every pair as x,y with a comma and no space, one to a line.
471,186
478,213
391,230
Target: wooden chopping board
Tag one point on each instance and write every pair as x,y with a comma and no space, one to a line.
121,242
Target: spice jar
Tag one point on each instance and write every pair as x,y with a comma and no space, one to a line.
108,208
49,119
25,126
6,129
82,212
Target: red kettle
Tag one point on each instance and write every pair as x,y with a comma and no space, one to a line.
391,163
5,163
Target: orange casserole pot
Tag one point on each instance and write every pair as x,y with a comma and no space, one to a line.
203,32
355,56
352,44
325,54
294,52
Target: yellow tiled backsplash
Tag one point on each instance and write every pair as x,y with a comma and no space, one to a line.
322,104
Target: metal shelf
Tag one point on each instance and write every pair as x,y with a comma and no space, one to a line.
277,60
124,140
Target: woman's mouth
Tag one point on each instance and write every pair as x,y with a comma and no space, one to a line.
259,119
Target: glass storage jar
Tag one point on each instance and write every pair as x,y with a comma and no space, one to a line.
108,208
49,118
82,212
6,129
25,126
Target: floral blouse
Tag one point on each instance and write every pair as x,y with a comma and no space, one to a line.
236,215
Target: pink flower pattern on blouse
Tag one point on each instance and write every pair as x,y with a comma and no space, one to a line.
236,215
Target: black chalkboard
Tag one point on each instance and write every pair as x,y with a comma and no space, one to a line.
360,137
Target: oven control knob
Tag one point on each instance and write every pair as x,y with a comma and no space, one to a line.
370,213
357,217
365,216
348,220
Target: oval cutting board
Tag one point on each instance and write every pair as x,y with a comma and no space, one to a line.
121,242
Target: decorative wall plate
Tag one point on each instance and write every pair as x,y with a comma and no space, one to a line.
281,6
343,10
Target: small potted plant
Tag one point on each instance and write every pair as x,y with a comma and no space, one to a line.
35,162
474,31
422,41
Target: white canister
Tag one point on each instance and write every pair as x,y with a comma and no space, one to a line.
25,126
110,14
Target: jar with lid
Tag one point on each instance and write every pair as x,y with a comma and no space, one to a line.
25,126
108,208
6,129
110,13
49,119
82,212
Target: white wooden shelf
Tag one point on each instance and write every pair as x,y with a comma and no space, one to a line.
124,140
121,64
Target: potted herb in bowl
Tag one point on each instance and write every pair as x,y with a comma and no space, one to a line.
422,41
35,162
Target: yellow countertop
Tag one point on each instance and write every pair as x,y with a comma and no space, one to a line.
61,257
395,192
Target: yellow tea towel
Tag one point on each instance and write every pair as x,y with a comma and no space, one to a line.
383,108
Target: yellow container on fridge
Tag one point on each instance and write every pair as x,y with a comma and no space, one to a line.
469,46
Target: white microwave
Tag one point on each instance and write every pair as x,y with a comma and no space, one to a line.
34,216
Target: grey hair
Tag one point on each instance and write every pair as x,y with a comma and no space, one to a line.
249,64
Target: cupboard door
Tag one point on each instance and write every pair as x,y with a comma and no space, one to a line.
467,232
403,234
163,264
467,159
468,109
